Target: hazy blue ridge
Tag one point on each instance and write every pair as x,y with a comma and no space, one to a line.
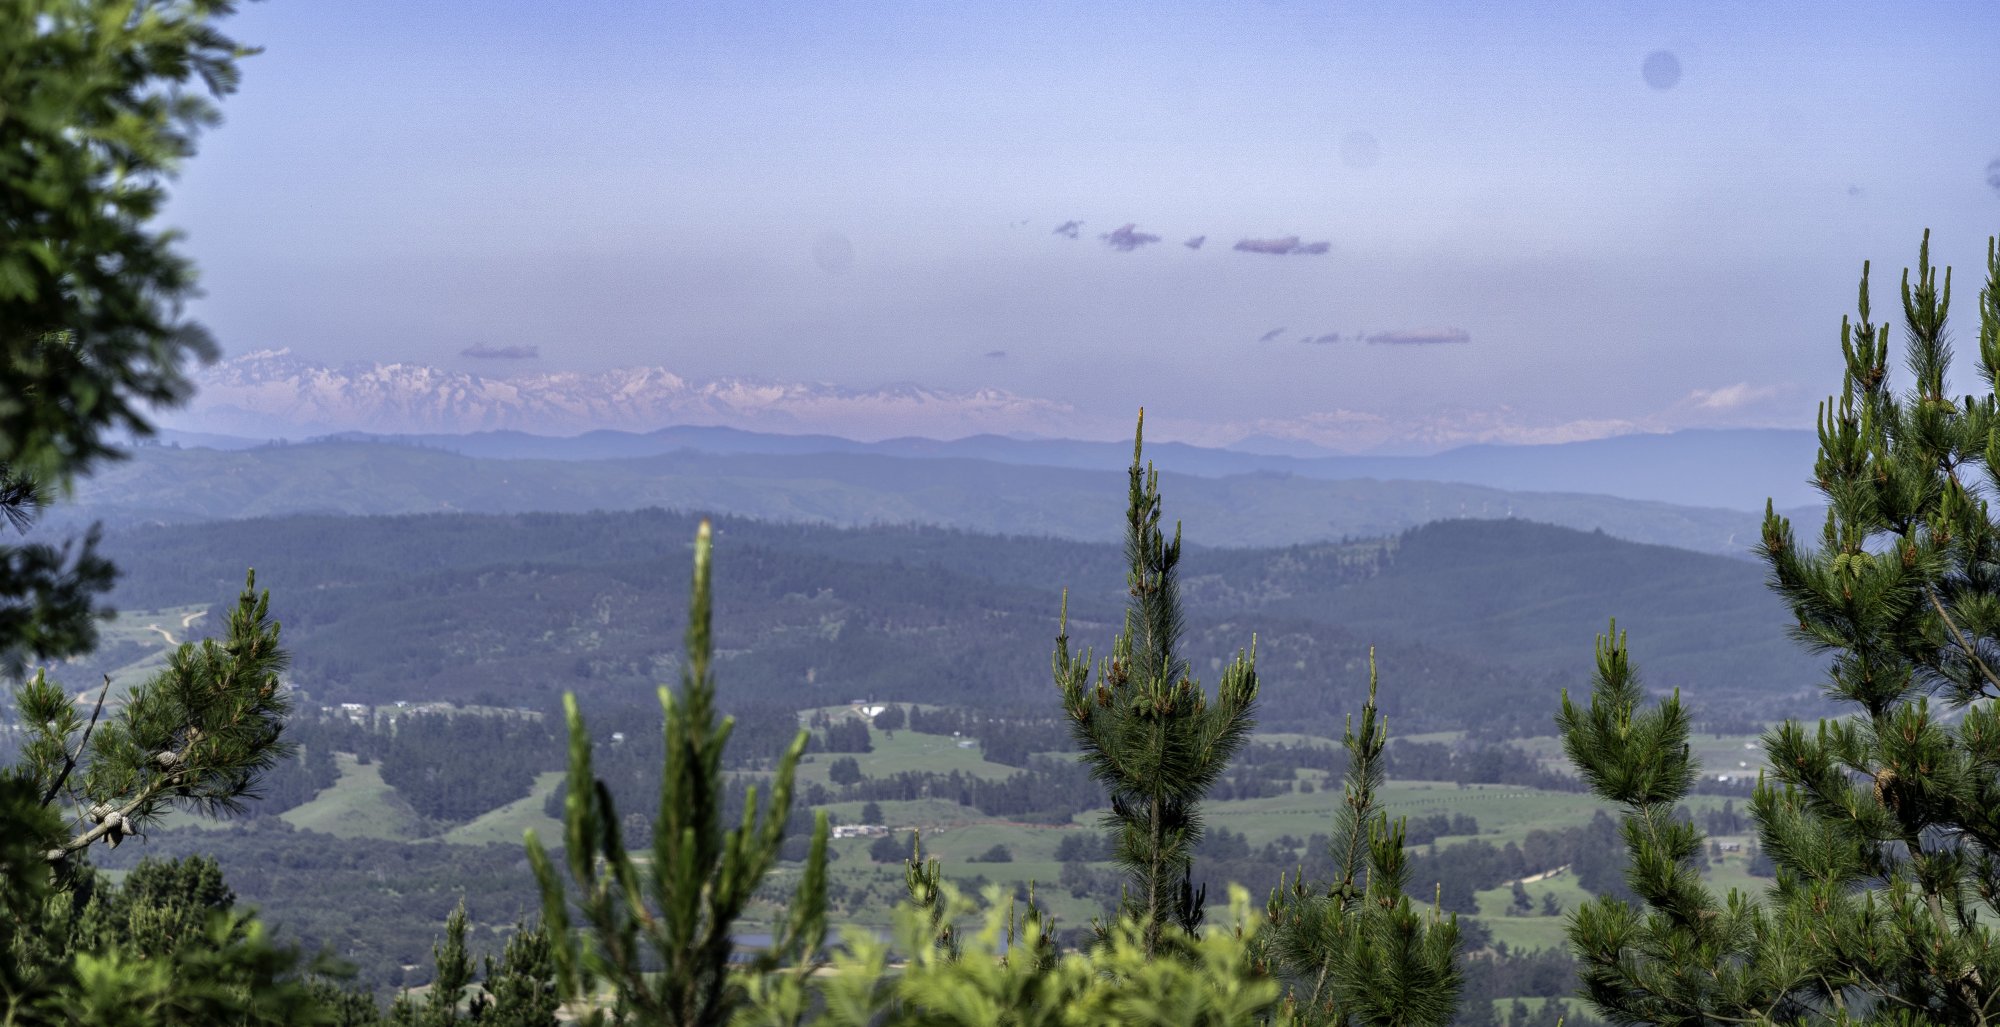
1736,468
167,485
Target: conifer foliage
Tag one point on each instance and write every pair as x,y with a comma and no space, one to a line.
1359,951
659,929
1146,728
197,736
1883,825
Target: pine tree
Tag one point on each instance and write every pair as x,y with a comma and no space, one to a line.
679,906
521,988
1882,826
1357,950
453,972
197,736
1146,729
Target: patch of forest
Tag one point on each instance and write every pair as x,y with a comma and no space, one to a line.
1475,622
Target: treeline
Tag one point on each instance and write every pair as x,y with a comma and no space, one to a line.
377,905
454,768
1593,853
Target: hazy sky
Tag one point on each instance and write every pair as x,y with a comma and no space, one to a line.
869,193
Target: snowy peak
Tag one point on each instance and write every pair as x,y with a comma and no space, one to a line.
276,393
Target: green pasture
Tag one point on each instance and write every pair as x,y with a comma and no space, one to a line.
908,751
359,805
508,823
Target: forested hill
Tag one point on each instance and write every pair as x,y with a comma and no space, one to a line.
166,485
1478,623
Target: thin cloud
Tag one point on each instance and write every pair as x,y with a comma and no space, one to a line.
996,354
1285,247
1993,174
1320,340
1420,336
1068,229
481,351
1270,335
1729,397
1128,238
1195,243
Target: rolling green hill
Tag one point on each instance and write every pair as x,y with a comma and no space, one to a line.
1476,622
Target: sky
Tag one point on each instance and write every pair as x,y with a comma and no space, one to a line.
1553,220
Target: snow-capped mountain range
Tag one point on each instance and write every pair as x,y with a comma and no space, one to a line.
274,393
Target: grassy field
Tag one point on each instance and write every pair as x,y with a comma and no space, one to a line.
507,824
359,805
909,751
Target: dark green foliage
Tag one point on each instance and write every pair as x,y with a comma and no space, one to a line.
1357,950
1146,729
47,599
375,904
997,854
102,106
519,991
844,736
374,604
98,108
198,736
844,771
871,813
891,849
453,768
1695,959
454,972
294,782
680,907
167,948
163,904
1880,826
521,988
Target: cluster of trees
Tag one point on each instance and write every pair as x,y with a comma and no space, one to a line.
453,768
847,734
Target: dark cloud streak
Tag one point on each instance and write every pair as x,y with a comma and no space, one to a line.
1419,337
1286,247
1128,238
1068,229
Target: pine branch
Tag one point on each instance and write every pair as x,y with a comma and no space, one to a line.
70,758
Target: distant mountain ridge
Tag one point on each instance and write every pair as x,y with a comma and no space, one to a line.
277,394
166,485
618,413
1719,468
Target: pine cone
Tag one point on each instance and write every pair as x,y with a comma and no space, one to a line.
169,759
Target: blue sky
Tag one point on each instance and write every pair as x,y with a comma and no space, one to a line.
866,193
